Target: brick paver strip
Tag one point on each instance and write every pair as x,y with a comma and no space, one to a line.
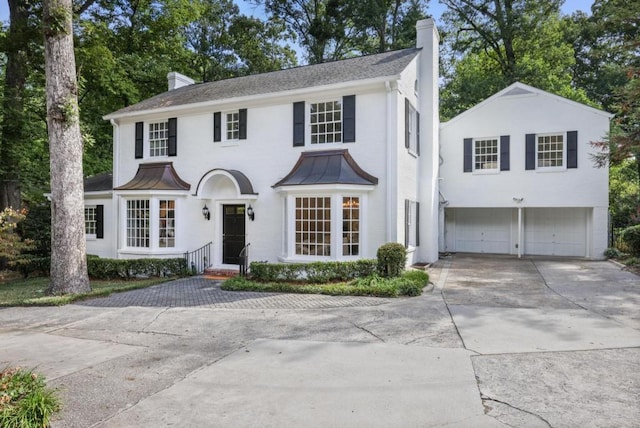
203,292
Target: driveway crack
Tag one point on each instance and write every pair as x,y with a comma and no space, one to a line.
367,331
154,320
487,398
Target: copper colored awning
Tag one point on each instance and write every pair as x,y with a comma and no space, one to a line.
156,176
327,167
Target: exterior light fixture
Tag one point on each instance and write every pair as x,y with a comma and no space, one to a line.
518,200
250,213
205,212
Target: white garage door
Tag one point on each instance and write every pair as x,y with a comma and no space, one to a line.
479,230
555,231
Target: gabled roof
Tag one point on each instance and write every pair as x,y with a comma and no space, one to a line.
99,182
518,88
156,176
388,64
326,167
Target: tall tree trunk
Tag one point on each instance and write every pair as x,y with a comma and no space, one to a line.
12,127
68,246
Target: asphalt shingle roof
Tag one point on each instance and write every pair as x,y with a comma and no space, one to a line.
353,69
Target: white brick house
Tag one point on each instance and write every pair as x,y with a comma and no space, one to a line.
322,162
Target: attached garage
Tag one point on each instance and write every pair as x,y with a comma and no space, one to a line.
478,230
546,231
556,231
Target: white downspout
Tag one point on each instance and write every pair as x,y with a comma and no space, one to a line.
115,199
519,232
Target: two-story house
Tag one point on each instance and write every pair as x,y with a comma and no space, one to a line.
329,161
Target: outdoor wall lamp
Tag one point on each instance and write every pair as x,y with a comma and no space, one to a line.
205,212
250,213
518,200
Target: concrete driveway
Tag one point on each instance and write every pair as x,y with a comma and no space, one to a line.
498,342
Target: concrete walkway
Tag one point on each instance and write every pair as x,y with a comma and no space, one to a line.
499,342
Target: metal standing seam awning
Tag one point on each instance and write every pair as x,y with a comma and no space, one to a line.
327,167
156,176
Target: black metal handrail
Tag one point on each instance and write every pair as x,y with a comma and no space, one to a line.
243,260
198,260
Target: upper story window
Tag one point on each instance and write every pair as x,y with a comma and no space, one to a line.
485,154
158,138
90,220
326,122
550,151
233,125
412,128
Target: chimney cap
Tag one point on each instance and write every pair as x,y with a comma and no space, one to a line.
177,80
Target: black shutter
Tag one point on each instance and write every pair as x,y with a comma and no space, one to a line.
407,207
242,125
407,112
298,124
572,149
468,155
217,127
139,140
100,221
504,153
417,224
349,119
530,151
173,137
418,133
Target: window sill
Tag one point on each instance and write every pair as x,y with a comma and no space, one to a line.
151,251
90,237
228,143
486,172
413,153
550,169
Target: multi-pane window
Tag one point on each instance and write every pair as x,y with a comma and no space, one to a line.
90,222
313,226
350,226
412,130
167,224
158,138
485,155
550,151
138,223
233,125
326,122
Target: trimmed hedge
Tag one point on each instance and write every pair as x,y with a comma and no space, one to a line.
315,272
99,268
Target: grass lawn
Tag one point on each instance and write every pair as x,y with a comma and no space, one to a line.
31,291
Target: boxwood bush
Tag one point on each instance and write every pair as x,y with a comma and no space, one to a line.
392,258
99,268
315,272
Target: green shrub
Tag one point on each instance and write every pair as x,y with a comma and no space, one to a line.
411,282
315,272
631,238
612,253
99,268
24,399
392,258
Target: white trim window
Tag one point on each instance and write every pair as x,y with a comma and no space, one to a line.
326,122
138,215
313,226
167,223
350,226
412,130
486,154
90,221
550,149
158,139
232,125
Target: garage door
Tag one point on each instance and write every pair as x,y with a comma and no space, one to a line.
479,230
555,231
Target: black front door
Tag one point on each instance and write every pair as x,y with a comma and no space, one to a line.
233,222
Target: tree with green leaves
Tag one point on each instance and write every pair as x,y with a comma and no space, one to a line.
68,245
492,44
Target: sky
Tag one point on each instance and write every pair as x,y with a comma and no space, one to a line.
435,8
